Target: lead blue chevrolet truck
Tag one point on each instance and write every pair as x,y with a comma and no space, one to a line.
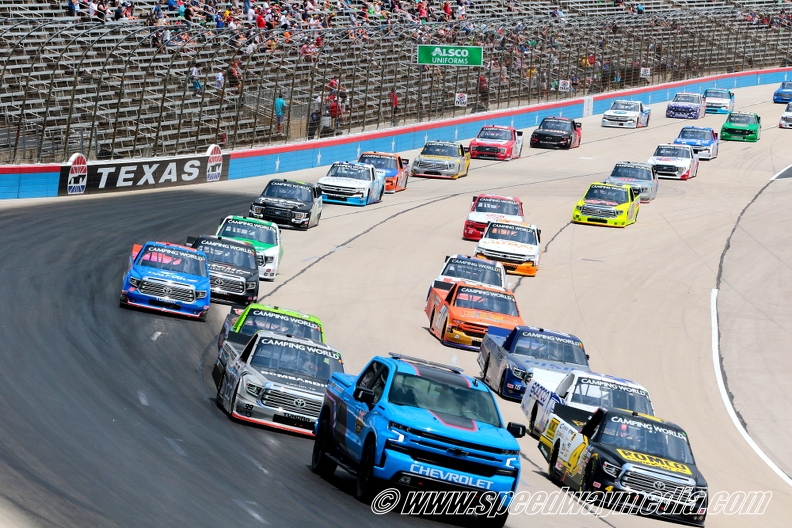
416,424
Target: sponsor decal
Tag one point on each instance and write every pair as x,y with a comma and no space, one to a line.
476,291
472,264
650,426
133,174
78,174
612,386
450,476
175,253
222,245
282,317
653,461
307,381
556,339
300,346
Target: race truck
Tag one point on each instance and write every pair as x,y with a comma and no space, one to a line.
441,159
627,114
786,117
687,106
486,208
461,268
410,423
639,176
673,161
393,168
609,205
289,203
461,316
633,461
704,140
497,142
167,278
511,358
353,183
784,93
557,132
233,271
719,100
742,127
582,390
264,236
250,319
513,244
274,379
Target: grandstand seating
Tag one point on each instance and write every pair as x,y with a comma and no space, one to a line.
117,90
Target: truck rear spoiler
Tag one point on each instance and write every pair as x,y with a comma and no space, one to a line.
572,415
239,339
499,331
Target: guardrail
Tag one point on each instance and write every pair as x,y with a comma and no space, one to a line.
80,176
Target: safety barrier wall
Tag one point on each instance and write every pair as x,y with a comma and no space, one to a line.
37,181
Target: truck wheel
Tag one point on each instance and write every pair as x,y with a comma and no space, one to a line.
551,472
586,484
366,482
323,445
532,422
496,521
484,370
219,397
502,384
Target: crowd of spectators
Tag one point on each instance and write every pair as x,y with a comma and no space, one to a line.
780,20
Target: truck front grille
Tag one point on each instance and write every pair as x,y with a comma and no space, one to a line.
167,290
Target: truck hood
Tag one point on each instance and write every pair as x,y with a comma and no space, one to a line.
349,183
678,162
483,218
669,467
508,246
555,367
438,158
548,378
261,247
741,126
684,106
154,273
694,142
632,182
622,113
284,204
485,318
493,142
454,427
291,379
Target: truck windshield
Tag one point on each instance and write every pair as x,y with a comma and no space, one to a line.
614,195
380,162
742,119
498,206
249,231
173,260
631,171
306,360
436,149
287,191
487,301
548,123
551,348
228,254
625,105
603,393
664,151
354,172
513,233
442,398
280,323
643,436
495,133
695,133
468,269
716,94
686,98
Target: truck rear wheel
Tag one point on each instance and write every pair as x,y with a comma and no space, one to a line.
551,471
320,462
532,423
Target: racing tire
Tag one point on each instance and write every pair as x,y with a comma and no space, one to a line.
202,317
365,483
382,193
323,446
485,369
502,384
445,331
551,472
498,520
647,121
220,387
532,421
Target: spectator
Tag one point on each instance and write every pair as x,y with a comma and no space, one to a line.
72,7
639,9
235,77
195,75
280,112
313,123
393,97
173,5
483,90
219,80
157,10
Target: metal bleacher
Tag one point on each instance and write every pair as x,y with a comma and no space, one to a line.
117,90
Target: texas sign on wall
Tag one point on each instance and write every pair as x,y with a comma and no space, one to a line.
93,177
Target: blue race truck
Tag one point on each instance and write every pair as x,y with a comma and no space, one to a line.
167,278
420,425
510,358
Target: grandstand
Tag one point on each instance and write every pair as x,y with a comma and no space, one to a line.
121,88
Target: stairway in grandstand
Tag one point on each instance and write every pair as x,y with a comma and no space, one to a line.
109,90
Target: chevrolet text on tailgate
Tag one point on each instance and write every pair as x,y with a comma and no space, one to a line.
417,424
634,462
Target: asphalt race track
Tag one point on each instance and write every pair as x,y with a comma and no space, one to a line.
109,416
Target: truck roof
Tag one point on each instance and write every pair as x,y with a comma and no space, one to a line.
607,377
448,374
545,331
296,339
250,220
231,242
